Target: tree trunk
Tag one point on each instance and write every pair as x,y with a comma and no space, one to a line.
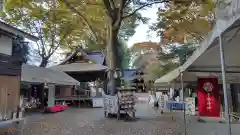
113,59
44,62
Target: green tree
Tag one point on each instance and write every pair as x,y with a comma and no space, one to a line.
177,54
159,70
47,19
126,56
20,49
117,13
145,55
59,24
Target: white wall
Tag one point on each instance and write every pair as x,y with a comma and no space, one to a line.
5,45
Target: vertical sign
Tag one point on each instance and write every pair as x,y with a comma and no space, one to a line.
162,102
208,97
190,106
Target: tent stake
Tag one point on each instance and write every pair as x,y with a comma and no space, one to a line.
226,108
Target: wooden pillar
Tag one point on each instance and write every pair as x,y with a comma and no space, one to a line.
51,95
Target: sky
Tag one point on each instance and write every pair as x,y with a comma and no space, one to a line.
141,34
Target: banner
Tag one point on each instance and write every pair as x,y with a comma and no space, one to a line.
208,97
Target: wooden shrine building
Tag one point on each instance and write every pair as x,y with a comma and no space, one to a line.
85,67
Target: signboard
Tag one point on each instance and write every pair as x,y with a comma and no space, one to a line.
97,102
161,101
190,106
208,97
110,104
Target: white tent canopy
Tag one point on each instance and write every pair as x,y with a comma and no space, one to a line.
168,79
207,57
205,61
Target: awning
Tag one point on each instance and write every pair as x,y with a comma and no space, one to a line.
79,67
34,74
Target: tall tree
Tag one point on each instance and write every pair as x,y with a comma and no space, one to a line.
116,13
20,49
126,56
47,19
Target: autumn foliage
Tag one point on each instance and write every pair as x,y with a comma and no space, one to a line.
182,20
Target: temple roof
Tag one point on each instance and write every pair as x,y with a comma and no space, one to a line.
79,67
130,74
95,57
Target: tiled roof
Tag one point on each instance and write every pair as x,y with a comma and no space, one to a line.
34,74
129,74
97,57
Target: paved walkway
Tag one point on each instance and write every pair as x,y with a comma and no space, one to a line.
92,122
210,128
79,121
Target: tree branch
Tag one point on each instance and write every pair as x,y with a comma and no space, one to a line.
112,4
143,6
87,23
108,7
120,13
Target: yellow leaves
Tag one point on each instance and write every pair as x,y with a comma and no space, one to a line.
186,19
174,35
147,46
202,26
207,8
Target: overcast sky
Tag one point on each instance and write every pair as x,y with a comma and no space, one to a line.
141,34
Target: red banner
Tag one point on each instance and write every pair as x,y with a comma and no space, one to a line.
208,97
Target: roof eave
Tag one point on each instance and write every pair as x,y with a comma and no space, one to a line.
16,31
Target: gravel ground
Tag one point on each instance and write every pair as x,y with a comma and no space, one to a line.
79,121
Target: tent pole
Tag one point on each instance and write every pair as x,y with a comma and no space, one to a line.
226,108
184,110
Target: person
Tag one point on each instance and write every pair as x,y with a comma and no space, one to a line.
156,104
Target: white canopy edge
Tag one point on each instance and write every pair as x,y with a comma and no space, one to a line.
169,77
226,18
172,79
